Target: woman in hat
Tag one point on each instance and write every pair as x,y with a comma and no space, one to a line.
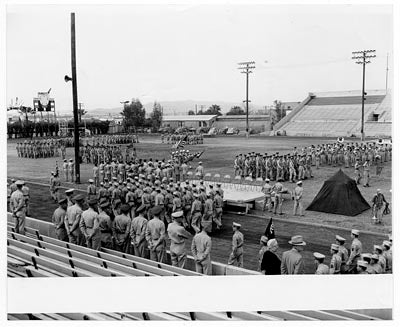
271,264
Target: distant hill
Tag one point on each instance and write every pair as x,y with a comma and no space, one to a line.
175,107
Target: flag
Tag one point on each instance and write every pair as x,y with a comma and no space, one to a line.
178,145
270,230
198,154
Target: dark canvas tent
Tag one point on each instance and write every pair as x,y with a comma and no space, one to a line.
339,195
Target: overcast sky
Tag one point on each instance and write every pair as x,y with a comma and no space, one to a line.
169,53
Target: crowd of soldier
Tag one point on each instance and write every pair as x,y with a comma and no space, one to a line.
189,138
298,164
342,261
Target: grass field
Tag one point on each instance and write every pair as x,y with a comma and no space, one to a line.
218,158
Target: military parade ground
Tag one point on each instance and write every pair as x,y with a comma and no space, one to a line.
318,229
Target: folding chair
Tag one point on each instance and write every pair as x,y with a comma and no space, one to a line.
207,179
237,182
227,181
217,178
190,175
248,183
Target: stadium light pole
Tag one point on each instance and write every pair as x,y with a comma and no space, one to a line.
74,99
362,57
245,68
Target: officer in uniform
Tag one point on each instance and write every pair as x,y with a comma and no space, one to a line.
355,253
72,220
25,192
65,169
155,236
138,232
91,190
89,226
321,268
266,189
278,188
121,228
71,169
292,260
361,267
336,261
199,172
177,234
201,249
387,253
196,213
18,208
366,167
70,195
105,224
298,201
58,220
218,204
343,253
236,256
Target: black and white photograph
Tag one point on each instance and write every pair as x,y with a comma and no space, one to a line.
177,162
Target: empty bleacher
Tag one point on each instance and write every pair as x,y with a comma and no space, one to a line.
339,114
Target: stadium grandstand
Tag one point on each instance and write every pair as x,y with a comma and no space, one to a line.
334,114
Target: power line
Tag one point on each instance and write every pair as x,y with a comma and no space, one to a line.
363,57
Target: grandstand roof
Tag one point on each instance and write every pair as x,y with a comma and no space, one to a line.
189,118
346,93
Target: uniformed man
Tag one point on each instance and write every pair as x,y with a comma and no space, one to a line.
378,250
196,213
138,232
278,188
177,234
375,264
264,247
267,189
70,195
343,253
18,208
25,192
65,170
355,252
336,261
378,206
201,249
199,172
155,236
58,220
361,267
387,253
91,190
321,268
208,209
218,204
292,260
298,199
121,228
72,220
89,226
105,224
236,256
366,167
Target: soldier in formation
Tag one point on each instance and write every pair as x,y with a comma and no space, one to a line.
189,138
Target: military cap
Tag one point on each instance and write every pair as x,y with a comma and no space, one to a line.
65,160
378,247
141,208
211,186
125,208
387,243
366,256
19,183
264,239
374,256
105,179
299,183
79,197
115,178
62,201
104,204
335,247
70,160
156,211
355,232
318,255
92,202
267,179
206,225
12,180
200,162
339,238
196,195
91,181
236,225
177,214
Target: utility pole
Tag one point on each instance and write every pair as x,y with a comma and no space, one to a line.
245,68
387,72
362,57
75,100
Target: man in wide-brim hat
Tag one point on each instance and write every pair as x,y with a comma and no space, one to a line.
292,260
